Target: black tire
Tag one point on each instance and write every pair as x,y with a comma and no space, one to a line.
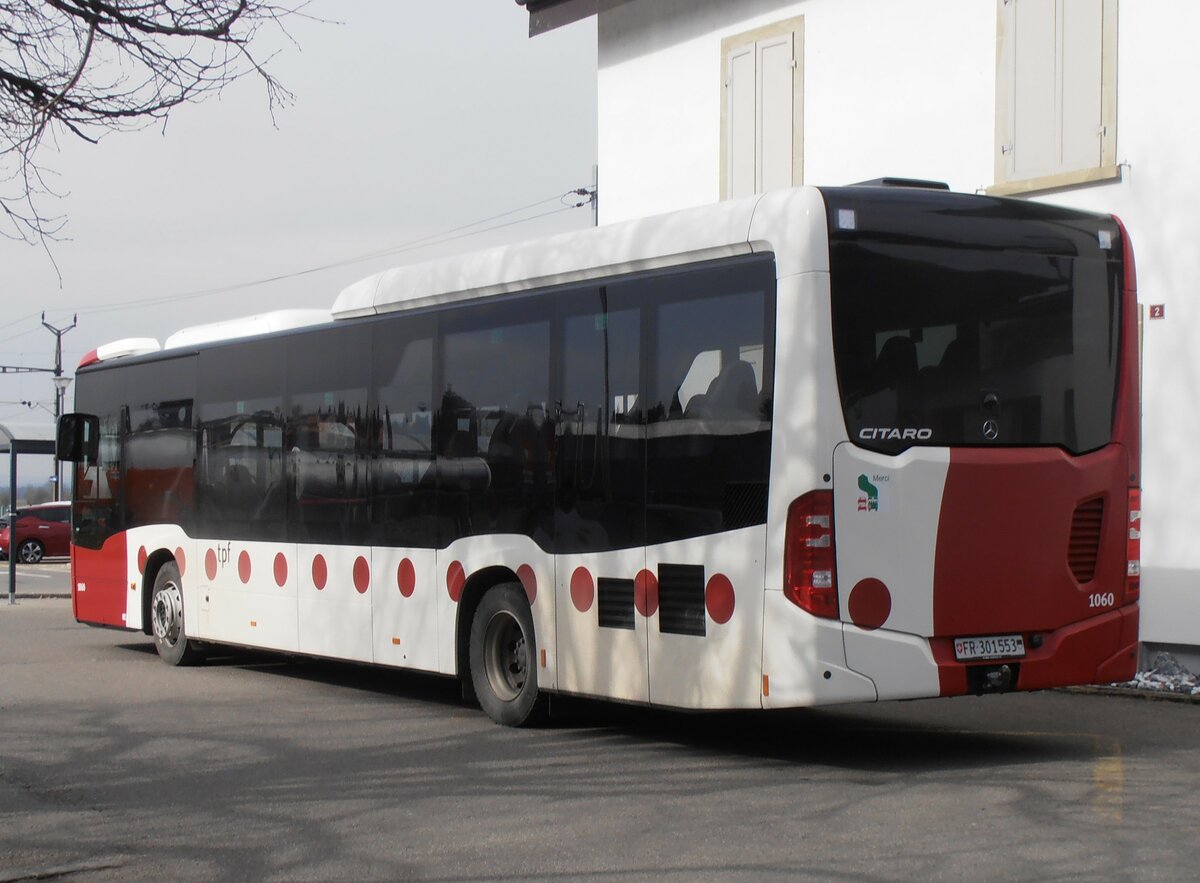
503,653
166,619
30,552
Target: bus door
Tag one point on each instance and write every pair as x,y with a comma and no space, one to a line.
99,559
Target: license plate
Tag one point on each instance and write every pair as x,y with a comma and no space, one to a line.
996,647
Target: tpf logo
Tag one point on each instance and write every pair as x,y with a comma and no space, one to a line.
868,499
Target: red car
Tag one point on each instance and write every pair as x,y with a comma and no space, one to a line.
42,530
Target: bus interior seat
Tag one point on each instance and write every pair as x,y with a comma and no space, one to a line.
734,392
896,364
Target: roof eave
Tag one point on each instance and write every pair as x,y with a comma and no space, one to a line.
546,15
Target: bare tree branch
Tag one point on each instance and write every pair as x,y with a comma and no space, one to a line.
85,68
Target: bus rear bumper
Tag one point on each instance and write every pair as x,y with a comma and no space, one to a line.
1099,650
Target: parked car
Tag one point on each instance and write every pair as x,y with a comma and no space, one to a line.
42,530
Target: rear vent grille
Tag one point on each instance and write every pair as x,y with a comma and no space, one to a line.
1085,539
615,597
681,599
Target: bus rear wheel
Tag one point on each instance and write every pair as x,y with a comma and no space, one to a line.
502,654
166,617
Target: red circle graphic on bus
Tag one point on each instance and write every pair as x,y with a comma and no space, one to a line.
529,580
583,590
362,574
244,566
645,593
719,599
320,572
456,577
142,559
180,561
280,569
406,578
210,564
870,603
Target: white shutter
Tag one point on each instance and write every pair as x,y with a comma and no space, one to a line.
775,104
1055,93
1082,82
740,121
761,114
1033,149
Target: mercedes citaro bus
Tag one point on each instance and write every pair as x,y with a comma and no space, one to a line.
822,445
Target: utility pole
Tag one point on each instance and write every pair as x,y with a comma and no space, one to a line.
60,389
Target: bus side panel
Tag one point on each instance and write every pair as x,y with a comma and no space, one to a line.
332,589
404,604
712,660
600,658
240,598
144,543
534,568
804,660
98,579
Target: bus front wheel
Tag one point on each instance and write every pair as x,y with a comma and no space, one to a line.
503,652
166,616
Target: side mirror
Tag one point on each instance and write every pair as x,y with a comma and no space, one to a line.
78,438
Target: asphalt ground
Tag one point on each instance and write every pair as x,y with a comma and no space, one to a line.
259,767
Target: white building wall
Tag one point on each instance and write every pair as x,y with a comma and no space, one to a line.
909,89
1158,74
911,94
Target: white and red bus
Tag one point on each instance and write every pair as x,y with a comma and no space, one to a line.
819,446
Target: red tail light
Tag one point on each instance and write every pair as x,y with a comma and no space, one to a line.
1133,566
808,556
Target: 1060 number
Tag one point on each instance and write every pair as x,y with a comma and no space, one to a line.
1107,599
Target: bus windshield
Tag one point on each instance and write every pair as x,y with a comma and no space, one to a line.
976,339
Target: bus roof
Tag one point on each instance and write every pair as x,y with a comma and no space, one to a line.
712,231
738,226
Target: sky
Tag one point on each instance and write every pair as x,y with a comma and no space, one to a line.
410,119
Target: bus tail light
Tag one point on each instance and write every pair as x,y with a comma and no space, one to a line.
808,555
1133,565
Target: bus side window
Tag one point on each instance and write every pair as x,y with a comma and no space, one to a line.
404,493
708,438
495,432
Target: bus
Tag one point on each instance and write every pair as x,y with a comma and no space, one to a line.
822,445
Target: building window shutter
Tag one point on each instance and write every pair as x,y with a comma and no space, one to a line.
742,122
762,112
1082,79
775,60
1055,93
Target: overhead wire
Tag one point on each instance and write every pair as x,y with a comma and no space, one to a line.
452,234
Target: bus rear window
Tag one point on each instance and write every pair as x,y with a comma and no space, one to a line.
961,344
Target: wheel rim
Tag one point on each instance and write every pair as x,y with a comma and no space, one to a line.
168,614
30,553
505,656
